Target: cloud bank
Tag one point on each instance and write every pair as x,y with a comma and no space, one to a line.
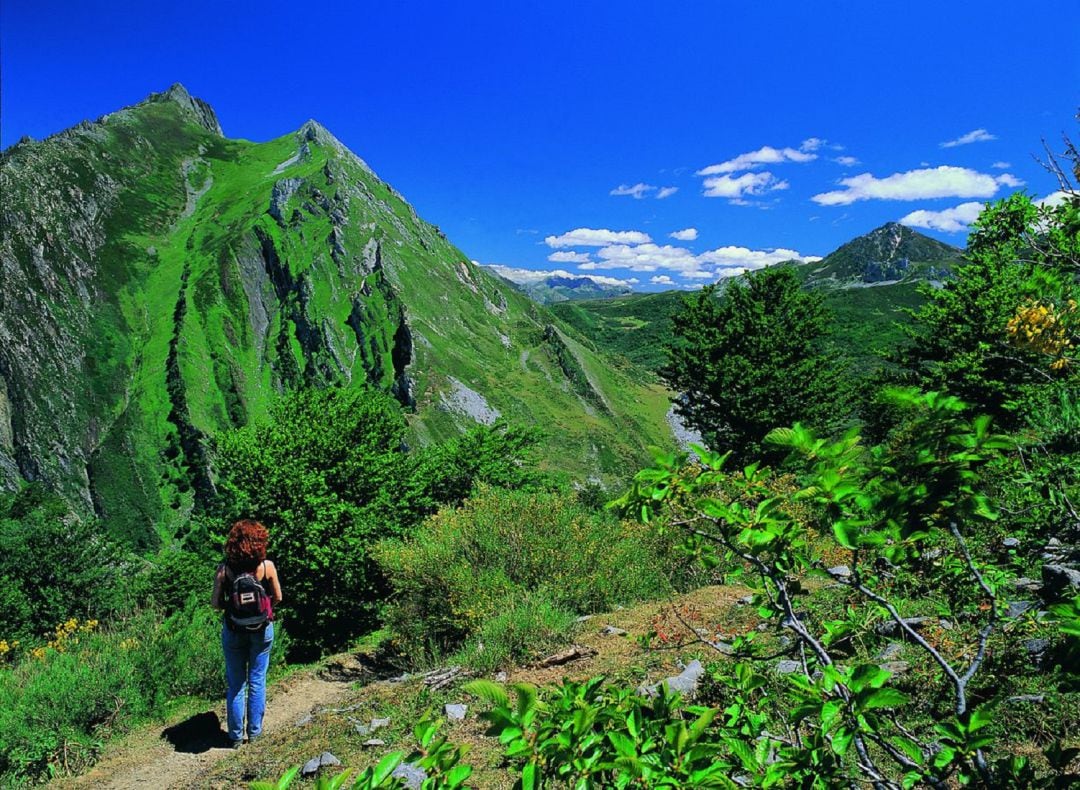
950,220
596,237
671,259
934,182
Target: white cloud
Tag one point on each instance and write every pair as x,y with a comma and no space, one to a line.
1054,199
811,144
975,136
645,258
637,191
532,276
564,256
950,220
596,237
731,257
688,234
1001,165
936,182
846,161
1007,180
735,187
661,279
666,192
766,155
711,265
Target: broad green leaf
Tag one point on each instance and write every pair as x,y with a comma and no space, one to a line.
830,711
885,698
846,534
457,775
526,697
489,691
386,767
841,741
529,777
703,721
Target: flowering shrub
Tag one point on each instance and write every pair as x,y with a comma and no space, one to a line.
1041,327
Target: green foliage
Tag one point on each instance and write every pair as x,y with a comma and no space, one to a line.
169,578
56,710
908,515
524,627
588,735
434,755
330,476
520,558
54,566
753,360
959,338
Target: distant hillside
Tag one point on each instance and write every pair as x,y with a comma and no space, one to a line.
634,326
893,252
561,287
868,283
163,282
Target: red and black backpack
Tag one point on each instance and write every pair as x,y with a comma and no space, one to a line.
247,606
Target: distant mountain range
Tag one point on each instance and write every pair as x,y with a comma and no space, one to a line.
563,287
892,253
162,283
893,259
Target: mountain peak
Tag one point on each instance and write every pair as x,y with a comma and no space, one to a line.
314,132
202,112
889,252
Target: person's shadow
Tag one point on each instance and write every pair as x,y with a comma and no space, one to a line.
197,734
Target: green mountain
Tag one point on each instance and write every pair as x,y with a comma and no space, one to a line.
893,252
163,282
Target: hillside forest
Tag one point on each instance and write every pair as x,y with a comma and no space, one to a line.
883,490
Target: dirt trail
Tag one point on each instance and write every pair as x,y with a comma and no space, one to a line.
182,754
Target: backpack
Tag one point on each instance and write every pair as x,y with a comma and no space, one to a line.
247,607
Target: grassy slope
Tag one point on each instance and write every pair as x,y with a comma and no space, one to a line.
634,326
208,306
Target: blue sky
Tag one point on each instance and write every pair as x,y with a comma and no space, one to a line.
751,127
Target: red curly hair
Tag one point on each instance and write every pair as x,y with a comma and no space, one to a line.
246,545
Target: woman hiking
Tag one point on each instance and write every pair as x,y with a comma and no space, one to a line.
246,587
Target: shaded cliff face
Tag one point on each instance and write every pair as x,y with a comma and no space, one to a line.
162,283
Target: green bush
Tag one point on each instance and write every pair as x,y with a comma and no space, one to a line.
170,577
58,707
466,565
54,566
330,475
524,628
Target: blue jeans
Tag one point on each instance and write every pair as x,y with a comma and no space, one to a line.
247,656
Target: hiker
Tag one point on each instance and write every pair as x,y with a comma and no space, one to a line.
246,586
